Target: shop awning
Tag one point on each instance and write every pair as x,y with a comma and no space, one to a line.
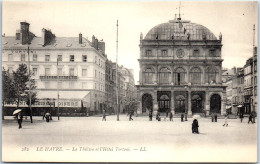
63,94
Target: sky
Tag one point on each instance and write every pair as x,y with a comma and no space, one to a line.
69,18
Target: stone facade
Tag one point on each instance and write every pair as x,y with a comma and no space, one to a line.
180,70
80,68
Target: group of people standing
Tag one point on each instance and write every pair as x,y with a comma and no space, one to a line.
214,117
251,117
158,116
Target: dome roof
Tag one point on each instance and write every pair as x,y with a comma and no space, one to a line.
179,30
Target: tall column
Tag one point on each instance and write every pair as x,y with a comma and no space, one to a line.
172,103
207,103
203,76
140,76
157,74
188,74
155,103
189,102
171,78
223,103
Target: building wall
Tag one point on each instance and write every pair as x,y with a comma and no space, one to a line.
171,67
78,76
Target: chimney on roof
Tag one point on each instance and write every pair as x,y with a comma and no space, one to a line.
24,32
47,36
80,38
102,46
17,34
234,70
43,36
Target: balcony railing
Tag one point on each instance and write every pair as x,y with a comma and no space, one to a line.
50,77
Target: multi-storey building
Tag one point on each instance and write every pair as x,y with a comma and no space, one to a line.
180,69
129,87
110,88
126,88
236,91
250,83
72,67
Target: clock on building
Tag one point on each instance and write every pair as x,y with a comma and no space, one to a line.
180,53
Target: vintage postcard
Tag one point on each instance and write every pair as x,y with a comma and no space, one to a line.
129,81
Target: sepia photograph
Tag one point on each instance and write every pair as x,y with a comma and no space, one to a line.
129,81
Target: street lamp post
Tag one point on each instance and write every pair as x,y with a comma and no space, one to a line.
117,86
58,91
253,82
30,97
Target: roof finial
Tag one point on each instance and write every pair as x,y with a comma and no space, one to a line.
179,11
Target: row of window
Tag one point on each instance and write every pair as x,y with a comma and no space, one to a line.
249,92
180,53
249,82
100,75
179,76
99,62
47,58
99,87
61,85
60,72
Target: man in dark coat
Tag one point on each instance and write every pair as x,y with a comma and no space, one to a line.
186,116
130,115
250,118
253,116
47,117
171,116
182,116
216,117
212,117
104,115
195,126
151,115
158,117
19,118
241,117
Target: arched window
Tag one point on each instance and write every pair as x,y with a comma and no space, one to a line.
179,76
211,75
164,75
148,76
195,76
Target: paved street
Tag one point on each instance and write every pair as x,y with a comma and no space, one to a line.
90,139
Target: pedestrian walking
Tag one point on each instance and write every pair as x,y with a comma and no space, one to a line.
166,115
212,117
226,120
47,117
195,126
171,116
19,118
250,118
130,116
216,117
182,116
241,116
253,116
104,115
158,118
151,115
186,116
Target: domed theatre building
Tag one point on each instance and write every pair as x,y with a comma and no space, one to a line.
180,70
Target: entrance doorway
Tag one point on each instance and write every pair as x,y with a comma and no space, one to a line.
180,104
164,101
197,101
147,103
215,103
